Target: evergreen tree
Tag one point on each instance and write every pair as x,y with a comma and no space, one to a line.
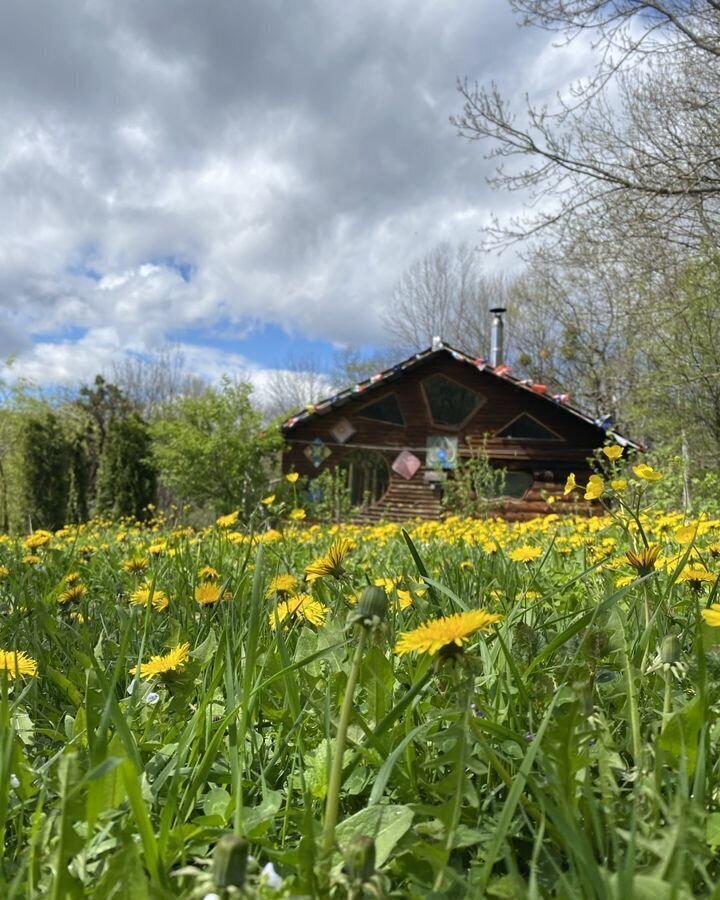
42,466
126,481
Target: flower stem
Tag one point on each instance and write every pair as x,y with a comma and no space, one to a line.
667,702
335,783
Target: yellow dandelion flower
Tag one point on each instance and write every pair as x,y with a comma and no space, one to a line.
207,593
615,451
443,635
525,554
332,562
297,515
644,560
173,661
696,576
712,615
74,591
37,540
269,500
595,487
157,548
142,596
72,577
301,606
646,472
282,584
16,662
292,477
685,533
32,560
135,564
4,571
405,598
229,520
624,580
207,573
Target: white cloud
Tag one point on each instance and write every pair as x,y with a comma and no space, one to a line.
293,159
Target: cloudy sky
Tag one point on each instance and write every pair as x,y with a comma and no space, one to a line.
246,179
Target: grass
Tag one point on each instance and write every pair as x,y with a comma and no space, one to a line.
569,751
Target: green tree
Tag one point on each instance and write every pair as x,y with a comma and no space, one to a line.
41,466
678,400
126,481
213,450
78,478
103,403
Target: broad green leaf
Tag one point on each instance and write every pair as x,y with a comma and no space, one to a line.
679,737
385,824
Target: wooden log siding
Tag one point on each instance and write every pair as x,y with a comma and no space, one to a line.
549,461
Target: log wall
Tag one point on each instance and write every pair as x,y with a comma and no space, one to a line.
550,462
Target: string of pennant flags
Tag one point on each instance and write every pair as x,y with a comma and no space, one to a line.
481,364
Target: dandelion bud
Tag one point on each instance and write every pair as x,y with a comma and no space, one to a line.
371,609
373,603
230,861
670,649
360,858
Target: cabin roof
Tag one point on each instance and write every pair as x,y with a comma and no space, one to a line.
440,348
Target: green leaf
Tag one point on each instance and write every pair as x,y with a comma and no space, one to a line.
712,830
217,803
648,887
258,819
206,651
385,824
679,737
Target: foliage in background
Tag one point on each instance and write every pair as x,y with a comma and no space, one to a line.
474,487
213,449
328,497
127,479
41,458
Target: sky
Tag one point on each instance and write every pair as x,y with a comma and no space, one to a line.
244,180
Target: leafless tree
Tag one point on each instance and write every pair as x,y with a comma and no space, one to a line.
577,321
151,382
301,380
444,293
638,139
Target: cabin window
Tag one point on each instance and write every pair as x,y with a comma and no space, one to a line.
517,484
368,476
526,428
450,403
386,410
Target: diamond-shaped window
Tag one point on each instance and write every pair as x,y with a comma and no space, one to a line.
450,403
525,427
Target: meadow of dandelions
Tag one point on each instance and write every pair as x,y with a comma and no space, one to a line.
459,708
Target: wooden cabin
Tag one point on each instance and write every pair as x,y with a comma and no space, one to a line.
400,434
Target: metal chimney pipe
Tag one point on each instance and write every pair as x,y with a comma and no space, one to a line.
497,349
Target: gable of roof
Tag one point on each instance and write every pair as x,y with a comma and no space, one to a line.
438,349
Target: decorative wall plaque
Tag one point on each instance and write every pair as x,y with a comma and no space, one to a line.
317,452
441,452
406,464
343,431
